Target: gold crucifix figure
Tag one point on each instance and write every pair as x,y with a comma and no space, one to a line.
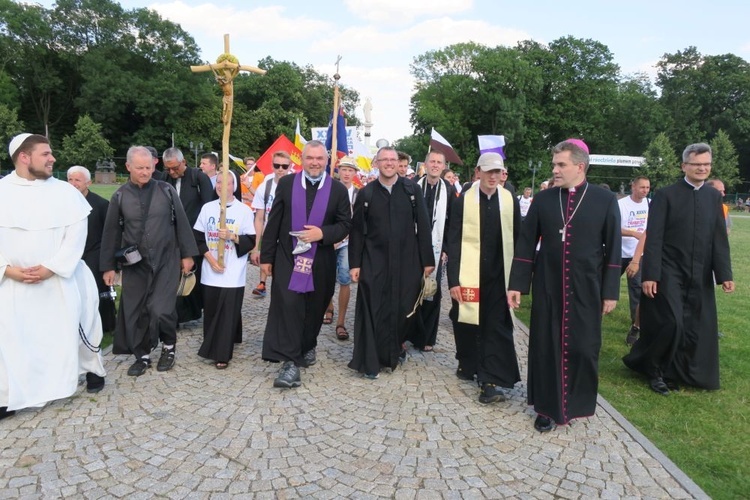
226,68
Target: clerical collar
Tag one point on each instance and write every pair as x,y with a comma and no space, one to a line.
575,188
312,180
695,187
489,196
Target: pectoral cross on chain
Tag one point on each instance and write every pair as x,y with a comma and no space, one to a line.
562,233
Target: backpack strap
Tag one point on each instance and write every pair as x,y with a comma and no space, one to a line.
409,190
267,193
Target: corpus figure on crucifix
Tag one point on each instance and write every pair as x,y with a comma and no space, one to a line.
226,68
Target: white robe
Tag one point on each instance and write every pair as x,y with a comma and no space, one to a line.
41,222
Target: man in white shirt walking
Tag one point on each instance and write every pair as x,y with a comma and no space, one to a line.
633,217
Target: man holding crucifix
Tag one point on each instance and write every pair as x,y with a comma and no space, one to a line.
310,213
576,279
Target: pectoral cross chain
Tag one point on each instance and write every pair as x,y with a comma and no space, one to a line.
562,233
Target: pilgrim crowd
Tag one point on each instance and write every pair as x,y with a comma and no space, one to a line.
179,254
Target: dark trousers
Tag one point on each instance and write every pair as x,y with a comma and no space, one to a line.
634,287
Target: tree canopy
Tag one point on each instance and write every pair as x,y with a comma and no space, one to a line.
128,72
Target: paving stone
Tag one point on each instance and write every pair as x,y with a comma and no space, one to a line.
418,432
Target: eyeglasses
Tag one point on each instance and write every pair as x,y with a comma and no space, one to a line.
281,165
698,164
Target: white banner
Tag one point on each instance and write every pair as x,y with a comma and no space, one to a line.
321,134
616,161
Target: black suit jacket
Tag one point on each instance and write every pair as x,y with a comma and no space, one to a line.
195,191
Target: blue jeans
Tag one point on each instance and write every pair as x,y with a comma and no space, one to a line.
342,266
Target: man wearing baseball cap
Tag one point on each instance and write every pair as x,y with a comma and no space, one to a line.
484,223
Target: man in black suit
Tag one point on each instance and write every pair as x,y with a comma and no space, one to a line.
195,190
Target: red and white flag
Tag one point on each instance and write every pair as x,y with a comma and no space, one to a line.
439,143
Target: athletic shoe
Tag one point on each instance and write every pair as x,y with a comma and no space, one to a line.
260,290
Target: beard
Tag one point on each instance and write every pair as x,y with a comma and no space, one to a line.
40,173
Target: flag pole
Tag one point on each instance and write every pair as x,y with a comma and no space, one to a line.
334,121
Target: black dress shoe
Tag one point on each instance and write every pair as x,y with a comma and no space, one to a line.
658,386
463,375
491,393
94,383
4,413
543,424
672,385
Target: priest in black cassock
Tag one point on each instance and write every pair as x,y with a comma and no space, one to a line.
310,213
80,178
686,253
390,251
576,279
438,196
484,225
195,190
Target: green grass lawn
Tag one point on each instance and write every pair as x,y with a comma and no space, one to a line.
105,190
703,432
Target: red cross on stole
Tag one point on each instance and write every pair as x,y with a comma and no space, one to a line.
469,294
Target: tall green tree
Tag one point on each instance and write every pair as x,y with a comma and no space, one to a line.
85,146
286,93
445,98
662,165
725,160
38,63
636,116
677,77
10,126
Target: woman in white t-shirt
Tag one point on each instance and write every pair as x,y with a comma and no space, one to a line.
223,286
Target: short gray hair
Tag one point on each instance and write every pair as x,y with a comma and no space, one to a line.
80,169
698,148
577,154
172,154
134,151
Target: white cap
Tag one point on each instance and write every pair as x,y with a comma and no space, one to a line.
16,142
491,161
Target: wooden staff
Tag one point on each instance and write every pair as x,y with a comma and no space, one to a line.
335,119
227,67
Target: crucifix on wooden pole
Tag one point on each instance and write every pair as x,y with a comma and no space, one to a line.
227,67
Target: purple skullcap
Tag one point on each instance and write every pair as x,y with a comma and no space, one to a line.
579,143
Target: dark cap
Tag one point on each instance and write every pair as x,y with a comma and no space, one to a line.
152,150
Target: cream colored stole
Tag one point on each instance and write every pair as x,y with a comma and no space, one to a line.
468,275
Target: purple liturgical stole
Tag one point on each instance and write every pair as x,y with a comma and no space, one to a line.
302,279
